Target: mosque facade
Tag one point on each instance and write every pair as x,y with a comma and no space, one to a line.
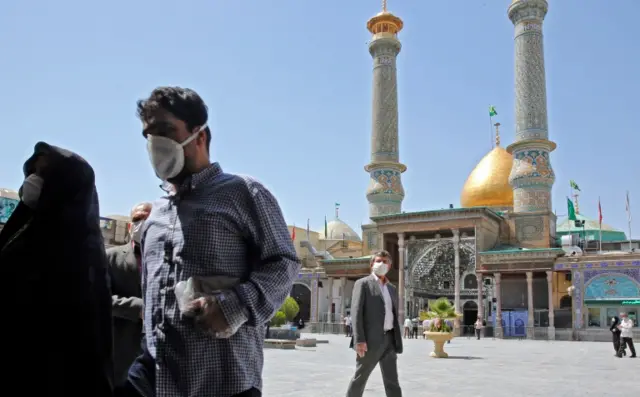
501,256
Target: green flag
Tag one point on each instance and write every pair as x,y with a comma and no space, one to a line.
325,227
571,209
337,205
574,185
492,111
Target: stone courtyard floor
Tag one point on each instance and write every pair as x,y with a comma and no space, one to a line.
485,368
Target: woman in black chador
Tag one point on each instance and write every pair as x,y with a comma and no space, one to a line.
57,337
615,331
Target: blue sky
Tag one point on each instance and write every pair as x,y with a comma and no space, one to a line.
288,84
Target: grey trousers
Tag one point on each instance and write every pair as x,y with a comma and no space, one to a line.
384,355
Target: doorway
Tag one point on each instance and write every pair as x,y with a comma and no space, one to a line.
469,317
302,294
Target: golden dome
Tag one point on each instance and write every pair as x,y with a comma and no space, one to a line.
488,183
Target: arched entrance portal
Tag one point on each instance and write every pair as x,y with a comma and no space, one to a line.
469,316
302,294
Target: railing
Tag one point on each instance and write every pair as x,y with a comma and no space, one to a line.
489,332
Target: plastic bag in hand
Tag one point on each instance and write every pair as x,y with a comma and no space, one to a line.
185,294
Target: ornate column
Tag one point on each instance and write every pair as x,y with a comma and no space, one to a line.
532,176
343,298
480,298
456,276
530,319
499,331
314,298
552,320
330,297
401,288
385,192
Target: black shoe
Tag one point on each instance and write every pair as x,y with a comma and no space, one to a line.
634,356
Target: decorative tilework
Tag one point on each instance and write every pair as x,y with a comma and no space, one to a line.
577,298
530,200
385,192
7,206
632,273
581,279
529,228
563,266
372,240
531,92
532,164
612,284
386,181
532,175
384,134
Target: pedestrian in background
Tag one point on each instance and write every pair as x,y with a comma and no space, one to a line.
126,296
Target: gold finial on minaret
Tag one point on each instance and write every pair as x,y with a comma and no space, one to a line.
497,125
385,22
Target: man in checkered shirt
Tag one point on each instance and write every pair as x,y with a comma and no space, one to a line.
211,224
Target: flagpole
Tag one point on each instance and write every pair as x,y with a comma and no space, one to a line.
600,220
629,218
491,129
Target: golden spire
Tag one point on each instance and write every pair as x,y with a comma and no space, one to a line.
497,125
385,22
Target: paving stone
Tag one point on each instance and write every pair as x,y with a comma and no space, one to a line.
485,368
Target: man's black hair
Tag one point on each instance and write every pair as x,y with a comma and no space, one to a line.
183,103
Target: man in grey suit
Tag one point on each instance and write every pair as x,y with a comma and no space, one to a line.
377,338
126,296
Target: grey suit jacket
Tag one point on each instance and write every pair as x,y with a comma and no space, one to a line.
126,303
367,313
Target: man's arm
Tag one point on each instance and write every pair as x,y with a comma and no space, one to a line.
256,300
357,313
129,308
627,324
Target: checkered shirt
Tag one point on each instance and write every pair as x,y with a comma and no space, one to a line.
216,224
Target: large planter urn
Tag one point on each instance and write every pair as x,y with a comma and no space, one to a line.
439,339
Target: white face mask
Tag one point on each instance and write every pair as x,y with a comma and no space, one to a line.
167,155
31,188
380,268
136,231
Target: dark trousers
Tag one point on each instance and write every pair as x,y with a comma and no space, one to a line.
414,332
385,356
478,332
629,343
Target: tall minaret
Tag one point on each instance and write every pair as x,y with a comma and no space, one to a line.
385,192
532,176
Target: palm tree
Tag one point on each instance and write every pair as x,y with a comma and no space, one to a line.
441,310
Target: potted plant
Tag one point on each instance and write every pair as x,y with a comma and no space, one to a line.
440,331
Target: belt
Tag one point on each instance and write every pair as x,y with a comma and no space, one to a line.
388,331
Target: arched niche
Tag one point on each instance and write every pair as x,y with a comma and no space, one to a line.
302,294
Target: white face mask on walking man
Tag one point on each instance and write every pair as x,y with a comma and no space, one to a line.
380,268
